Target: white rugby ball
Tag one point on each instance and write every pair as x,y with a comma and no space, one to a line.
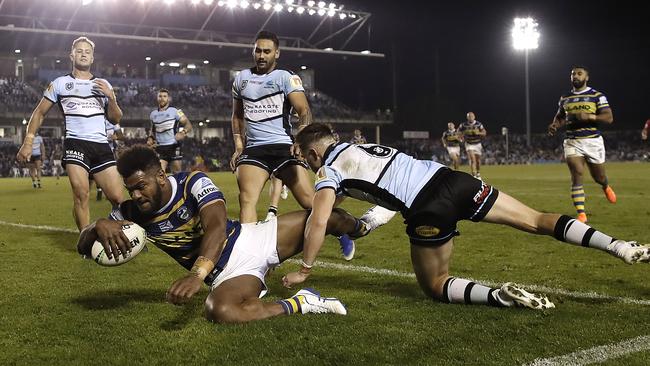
137,239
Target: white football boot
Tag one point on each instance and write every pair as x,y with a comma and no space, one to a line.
629,251
513,295
284,194
375,217
311,302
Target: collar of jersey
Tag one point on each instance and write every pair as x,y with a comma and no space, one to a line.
581,92
172,181
72,76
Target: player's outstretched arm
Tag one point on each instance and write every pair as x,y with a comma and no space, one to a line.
315,230
213,220
35,122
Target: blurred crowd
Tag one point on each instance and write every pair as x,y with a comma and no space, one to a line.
213,154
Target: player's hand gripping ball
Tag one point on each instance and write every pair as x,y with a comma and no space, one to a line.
137,240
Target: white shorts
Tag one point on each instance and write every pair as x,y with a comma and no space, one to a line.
453,150
475,148
254,252
592,149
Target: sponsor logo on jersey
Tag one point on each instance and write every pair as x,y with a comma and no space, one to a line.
165,226
480,196
206,192
427,231
376,150
295,81
183,213
69,86
71,105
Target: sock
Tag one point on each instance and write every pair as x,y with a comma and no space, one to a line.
578,197
273,210
291,305
605,183
461,291
572,231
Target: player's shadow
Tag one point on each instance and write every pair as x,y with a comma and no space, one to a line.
184,315
115,299
64,241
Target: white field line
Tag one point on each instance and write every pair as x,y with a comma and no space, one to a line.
394,273
596,354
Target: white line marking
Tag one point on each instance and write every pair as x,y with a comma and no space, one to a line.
596,354
394,273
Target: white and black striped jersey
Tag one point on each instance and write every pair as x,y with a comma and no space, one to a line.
375,173
84,108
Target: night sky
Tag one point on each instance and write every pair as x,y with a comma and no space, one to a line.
448,57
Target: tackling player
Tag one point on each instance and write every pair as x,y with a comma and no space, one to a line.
580,111
86,102
169,127
263,97
185,216
473,133
432,199
451,140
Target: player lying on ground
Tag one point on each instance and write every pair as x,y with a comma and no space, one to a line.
432,199
185,216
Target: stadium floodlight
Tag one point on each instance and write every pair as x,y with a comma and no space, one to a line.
16,51
366,52
267,6
58,61
322,12
208,2
290,9
231,3
205,62
191,66
343,16
86,2
207,121
19,61
289,2
201,124
278,7
311,3
311,12
300,9
525,37
174,64
147,58
329,49
332,6
244,4
303,67
256,6
162,64
322,4
195,2
24,121
221,3
352,16
169,2
331,12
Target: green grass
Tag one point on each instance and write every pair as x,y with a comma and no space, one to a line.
59,309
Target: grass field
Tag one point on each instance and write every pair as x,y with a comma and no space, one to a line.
58,309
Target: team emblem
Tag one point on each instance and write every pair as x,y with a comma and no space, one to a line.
427,231
295,81
183,213
69,86
243,84
376,150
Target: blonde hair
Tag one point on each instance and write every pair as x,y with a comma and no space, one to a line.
83,39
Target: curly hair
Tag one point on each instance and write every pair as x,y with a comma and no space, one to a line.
137,158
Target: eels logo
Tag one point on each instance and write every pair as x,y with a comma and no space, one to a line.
427,231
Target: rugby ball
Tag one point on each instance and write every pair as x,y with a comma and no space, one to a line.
137,239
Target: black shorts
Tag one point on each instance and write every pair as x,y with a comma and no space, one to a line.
34,158
93,156
450,196
271,157
169,152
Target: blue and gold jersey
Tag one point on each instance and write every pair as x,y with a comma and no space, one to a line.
176,227
471,131
452,138
588,101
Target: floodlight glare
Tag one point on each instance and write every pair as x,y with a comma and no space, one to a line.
321,4
331,12
353,16
303,67
205,62
343,16
16,51
191,66
162,64
332,6
311,12
329,49
208,2
277,8
19,61
169,2
290,9
201,124
221,3
24,121
174,64
267,6
365,52
256,6
311,3
147,58
524,34
58,61
207,121
300,10
244,4
195,2
289,2
321,12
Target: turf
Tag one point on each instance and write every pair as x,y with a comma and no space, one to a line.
60,309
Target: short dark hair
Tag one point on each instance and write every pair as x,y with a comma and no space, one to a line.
268,35
163,90
313,133
580,67
135,158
